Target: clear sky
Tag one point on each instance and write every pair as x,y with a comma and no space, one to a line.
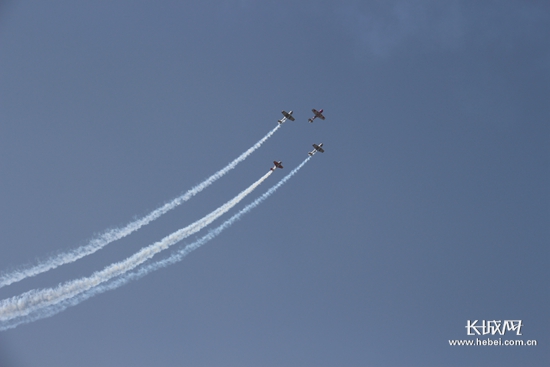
429,207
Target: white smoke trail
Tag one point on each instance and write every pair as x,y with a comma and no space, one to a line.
118,233
31,301
145,269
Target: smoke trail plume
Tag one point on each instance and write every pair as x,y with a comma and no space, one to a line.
145,269
31,301
118,233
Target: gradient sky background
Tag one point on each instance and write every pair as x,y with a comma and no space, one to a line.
430,206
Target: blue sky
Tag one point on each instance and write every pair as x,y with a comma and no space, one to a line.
429,207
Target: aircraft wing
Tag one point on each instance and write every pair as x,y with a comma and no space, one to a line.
288,115
321,116
318,148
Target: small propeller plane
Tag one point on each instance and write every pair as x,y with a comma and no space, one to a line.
287,115
318,148
277,165
316,114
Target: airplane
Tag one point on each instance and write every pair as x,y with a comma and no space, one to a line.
287,115
317,149
317,114
277,165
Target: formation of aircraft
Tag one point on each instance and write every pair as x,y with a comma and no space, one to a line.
287,115
278,164
316,114
317,148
